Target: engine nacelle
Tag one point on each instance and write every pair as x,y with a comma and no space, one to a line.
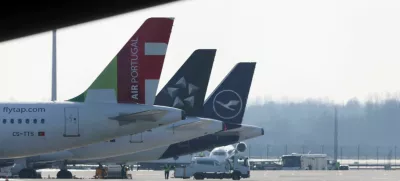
241,147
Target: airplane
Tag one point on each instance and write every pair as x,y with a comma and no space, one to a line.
233,140
235,86
225,152
186,90
117,103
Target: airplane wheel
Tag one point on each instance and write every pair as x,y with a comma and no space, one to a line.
236,176
27,173
64,174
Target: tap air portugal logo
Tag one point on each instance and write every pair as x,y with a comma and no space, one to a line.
134,57
183,93
227,104
141,65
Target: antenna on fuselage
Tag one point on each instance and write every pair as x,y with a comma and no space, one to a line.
54,69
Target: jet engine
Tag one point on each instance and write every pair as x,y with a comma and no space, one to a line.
241,147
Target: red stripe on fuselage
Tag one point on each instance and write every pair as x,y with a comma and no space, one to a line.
134,67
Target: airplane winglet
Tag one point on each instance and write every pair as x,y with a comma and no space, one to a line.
150,115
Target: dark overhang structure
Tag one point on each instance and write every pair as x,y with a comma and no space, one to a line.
20,20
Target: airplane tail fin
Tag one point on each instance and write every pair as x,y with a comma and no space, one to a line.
187,89
228,101
133,74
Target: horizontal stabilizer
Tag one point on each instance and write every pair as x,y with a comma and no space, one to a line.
190,126
150,115
228,133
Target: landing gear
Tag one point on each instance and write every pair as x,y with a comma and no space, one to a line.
64,174
28,173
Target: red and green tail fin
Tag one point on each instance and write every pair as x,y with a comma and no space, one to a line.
133,74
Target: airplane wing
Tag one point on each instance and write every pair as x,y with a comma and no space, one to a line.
150,115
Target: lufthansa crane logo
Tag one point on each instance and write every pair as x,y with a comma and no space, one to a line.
227,104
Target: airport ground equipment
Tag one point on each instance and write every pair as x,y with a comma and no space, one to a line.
297,161
112,172
236,167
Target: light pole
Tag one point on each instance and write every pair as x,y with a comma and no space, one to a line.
358,157
377,155
286,149
395,155
341,153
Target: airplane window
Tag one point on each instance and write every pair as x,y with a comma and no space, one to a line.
19,121
27,121
42,121
4,121
34,121
12,121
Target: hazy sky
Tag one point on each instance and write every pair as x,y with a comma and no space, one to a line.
335,49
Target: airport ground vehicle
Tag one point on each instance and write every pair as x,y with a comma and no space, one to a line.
236,167
296,161
112,172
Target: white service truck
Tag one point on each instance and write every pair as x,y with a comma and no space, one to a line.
296,161
236,167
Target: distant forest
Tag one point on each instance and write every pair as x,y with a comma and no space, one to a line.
309,126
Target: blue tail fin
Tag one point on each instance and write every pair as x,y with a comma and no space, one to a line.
186,90
228,101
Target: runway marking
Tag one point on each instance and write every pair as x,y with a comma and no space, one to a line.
379,178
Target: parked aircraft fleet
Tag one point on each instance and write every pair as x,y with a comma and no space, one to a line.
135,123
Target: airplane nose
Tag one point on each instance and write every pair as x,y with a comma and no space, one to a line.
262,131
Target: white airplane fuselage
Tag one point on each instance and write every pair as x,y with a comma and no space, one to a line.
191,127
37,128
245,132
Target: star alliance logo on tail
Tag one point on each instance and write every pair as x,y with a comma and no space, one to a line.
227,104
188,98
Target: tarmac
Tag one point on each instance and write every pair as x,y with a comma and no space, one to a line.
345,175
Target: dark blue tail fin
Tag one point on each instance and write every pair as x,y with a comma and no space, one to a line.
228,101
186,90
